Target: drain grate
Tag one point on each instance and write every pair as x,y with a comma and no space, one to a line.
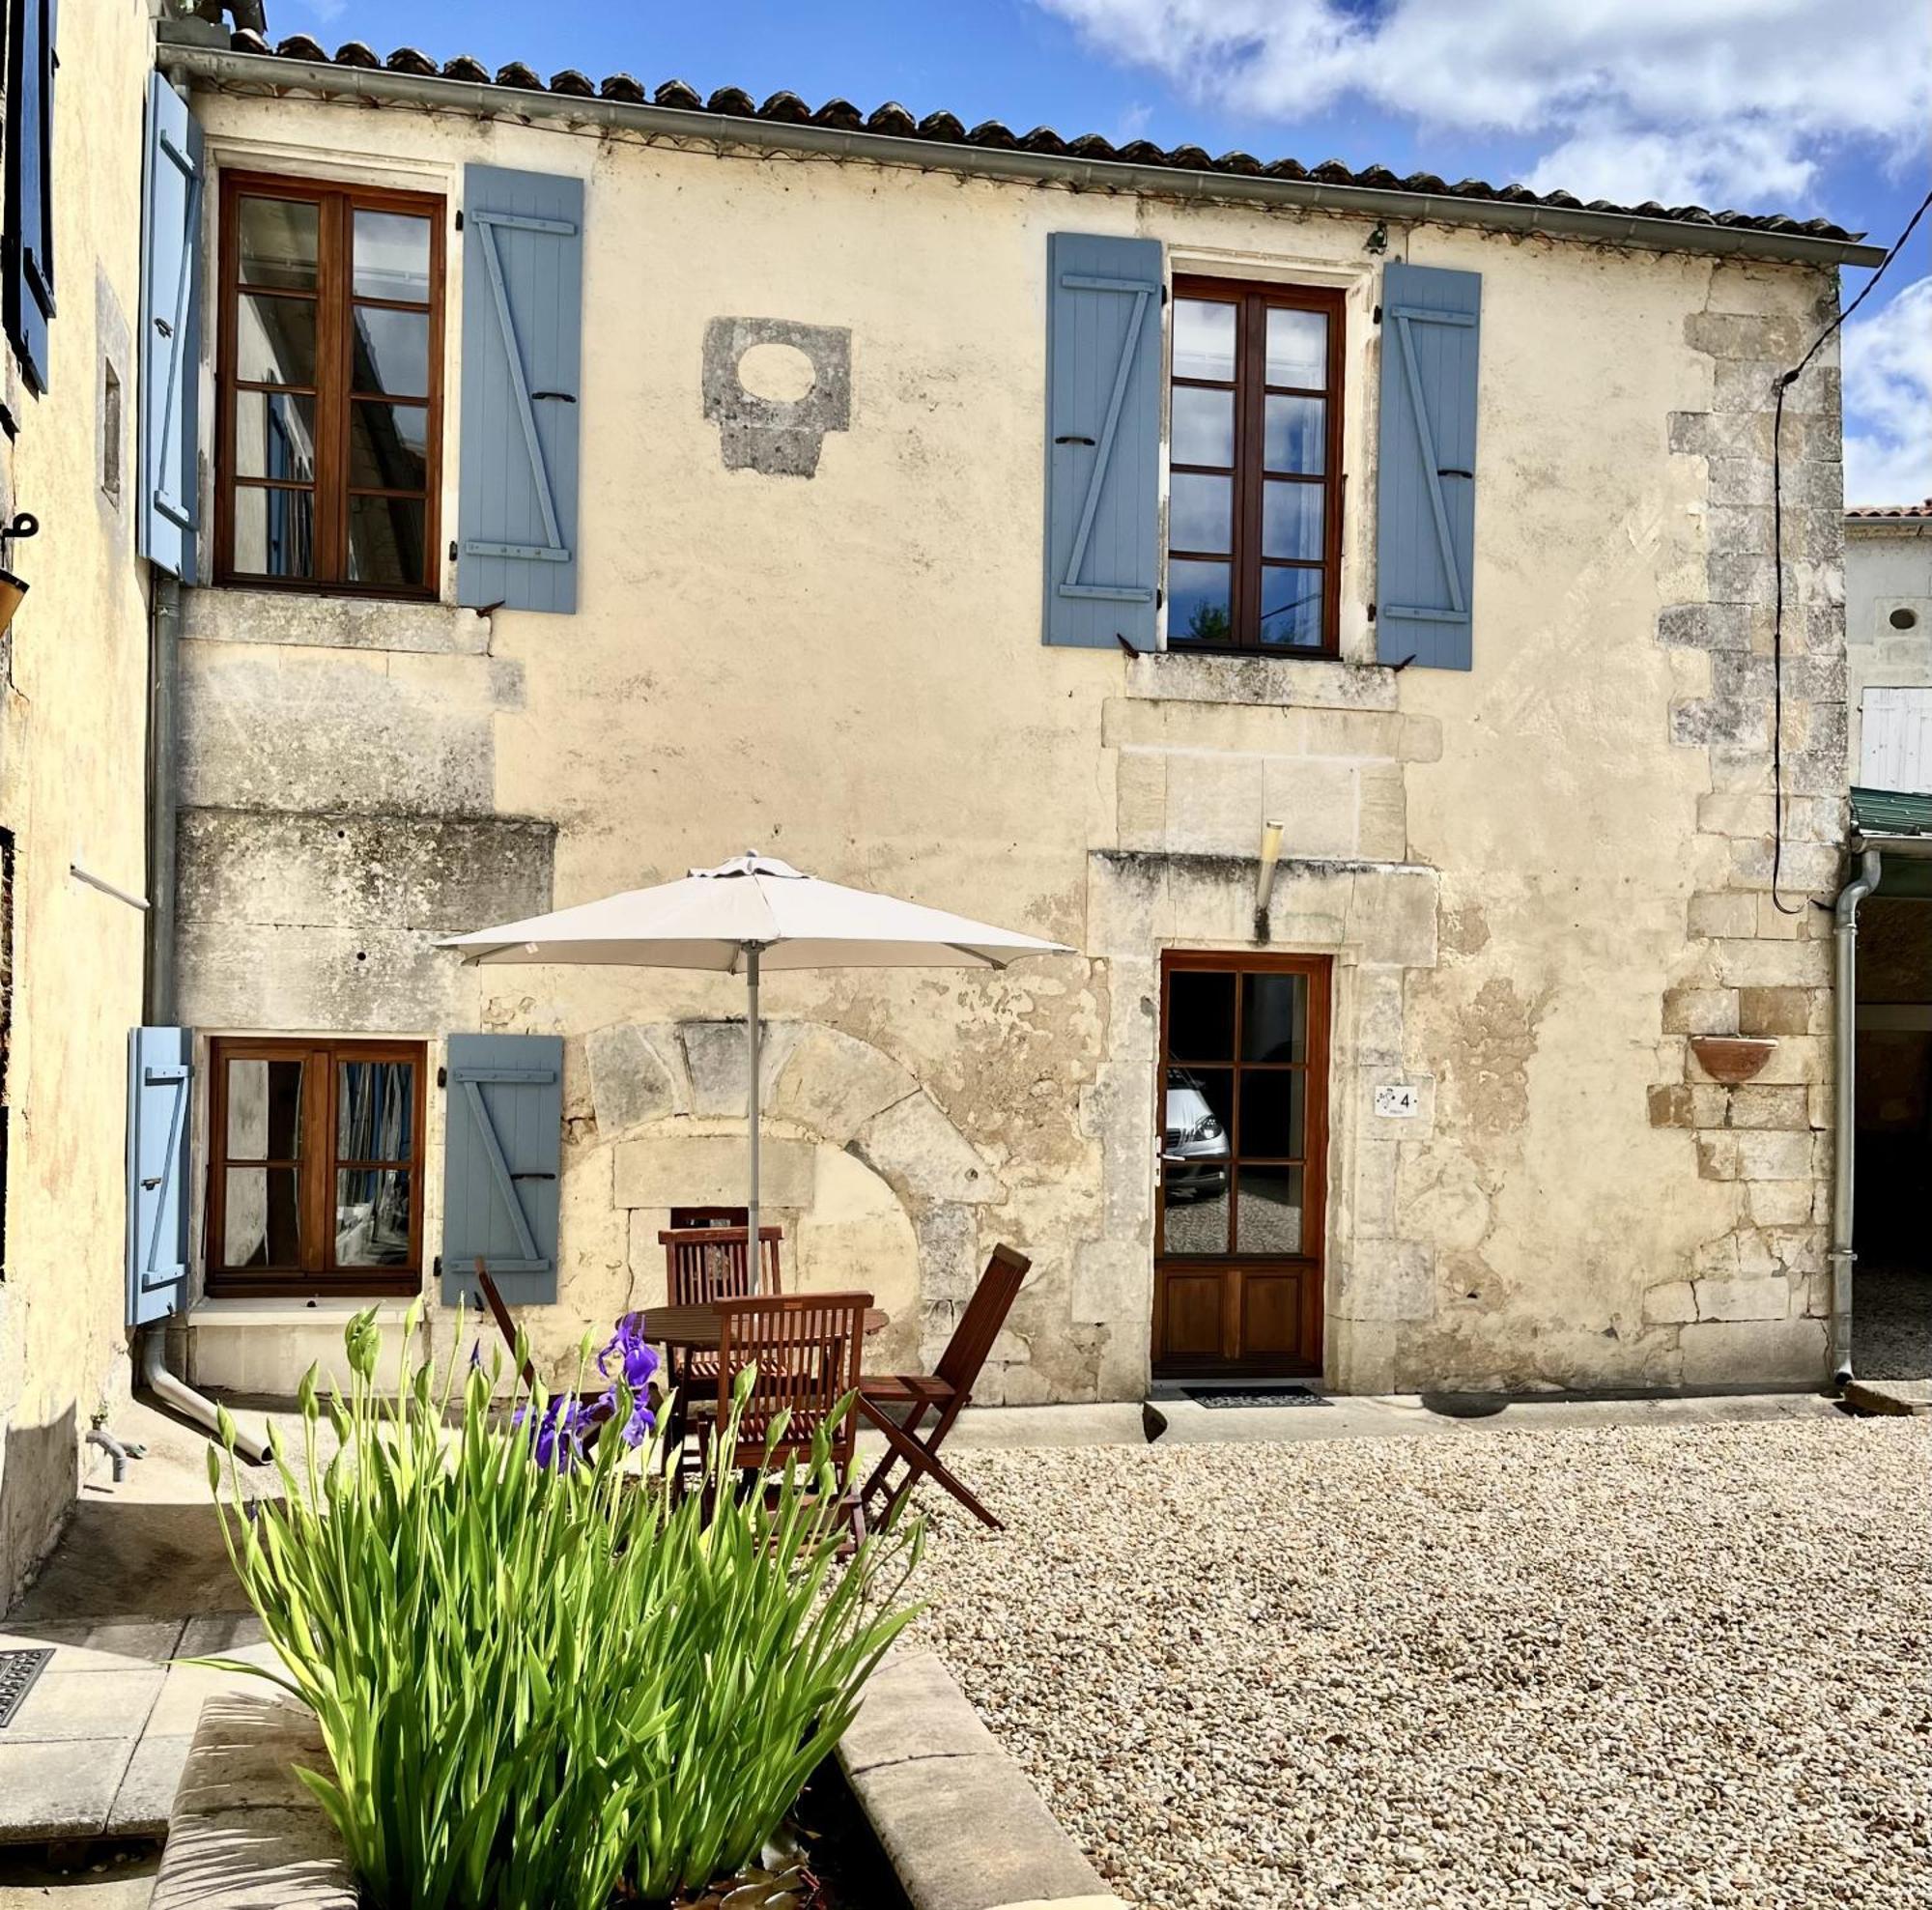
17,1672
1254,1396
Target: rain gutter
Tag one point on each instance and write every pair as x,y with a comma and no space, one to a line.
373,86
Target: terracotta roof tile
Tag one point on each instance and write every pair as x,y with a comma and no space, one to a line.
1873,513
893,121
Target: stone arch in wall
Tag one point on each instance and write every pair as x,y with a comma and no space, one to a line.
876,1187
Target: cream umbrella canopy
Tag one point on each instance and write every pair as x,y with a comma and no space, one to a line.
750,916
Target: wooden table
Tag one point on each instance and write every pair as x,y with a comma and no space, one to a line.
695,1328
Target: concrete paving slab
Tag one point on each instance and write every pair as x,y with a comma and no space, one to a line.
146,1789
187,1688
117,1880
57,1788
1894,1398
222,1633
67,1705
99,1644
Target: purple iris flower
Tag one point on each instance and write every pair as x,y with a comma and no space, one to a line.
556,1434
636,1363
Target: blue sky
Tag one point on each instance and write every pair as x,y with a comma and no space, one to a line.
1806,106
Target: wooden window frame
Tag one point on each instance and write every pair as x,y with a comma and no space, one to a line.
316,1166
333,391
1252,302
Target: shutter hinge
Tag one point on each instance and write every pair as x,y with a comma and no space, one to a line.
436,1269
1379,315
1163,294
443,1073
1371,612
459,218
452,550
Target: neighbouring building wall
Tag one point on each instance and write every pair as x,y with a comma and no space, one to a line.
1889,648
72,790
1537,879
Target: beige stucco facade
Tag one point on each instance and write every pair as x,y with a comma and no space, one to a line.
1536,879
74,673
1888,645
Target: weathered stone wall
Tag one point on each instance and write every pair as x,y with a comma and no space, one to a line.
832,650
72,790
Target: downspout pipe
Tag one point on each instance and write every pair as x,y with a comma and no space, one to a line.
185,1400
1844,1106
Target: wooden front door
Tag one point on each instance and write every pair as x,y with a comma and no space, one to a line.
1243,1114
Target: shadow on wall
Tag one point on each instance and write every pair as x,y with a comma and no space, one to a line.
39,1474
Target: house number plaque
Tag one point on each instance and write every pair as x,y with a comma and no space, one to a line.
1399,1103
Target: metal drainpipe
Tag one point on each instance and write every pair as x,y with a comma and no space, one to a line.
1844,1106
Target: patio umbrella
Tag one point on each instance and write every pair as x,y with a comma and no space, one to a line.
748,916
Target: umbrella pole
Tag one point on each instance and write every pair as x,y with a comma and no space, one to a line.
755,1258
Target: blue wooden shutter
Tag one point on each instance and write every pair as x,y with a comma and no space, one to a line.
170,333
1103,439
29,247
502,1152
523,292
158,1075
1426,488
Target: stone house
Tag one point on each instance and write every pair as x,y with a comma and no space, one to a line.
1338,606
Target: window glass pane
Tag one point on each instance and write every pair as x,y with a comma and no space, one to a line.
1194,1214
274,436
1202,427
375,1110
274,532
1292,608
1204,339
1296,431
1201,1015
391,257
264,1110
1198,603
388,446
1291,520
1200,512
260,1217
1268,1217
1272,1113
1274,1017
1297,348
274,340
372,1216
386,540
391,351
277,242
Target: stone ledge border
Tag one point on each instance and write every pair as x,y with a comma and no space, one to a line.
954,1813
954,1816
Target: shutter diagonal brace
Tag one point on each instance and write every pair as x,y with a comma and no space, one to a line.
177,1079
500,1172
1458,608
1142,298
486,223
180,515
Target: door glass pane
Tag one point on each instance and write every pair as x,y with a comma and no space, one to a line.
372,1216
277,242
388,446
274,340
274,436
264,1110
1204,426
1267,1216
391,351
274,532
1292,608
1200,512
1274,1017
386,540
1297,348
1198,603
391,257
375,1110
1194,1212
1201,1015
1296,433
1273,1114
1204,339
261,1218
1291,519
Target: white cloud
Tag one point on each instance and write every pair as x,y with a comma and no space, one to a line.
1888,363
1643,99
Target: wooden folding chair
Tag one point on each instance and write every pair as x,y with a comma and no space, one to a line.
946,1393
807,1349
704,1264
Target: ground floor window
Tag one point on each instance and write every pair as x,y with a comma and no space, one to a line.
315,1167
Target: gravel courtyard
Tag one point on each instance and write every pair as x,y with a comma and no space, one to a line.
1685,1666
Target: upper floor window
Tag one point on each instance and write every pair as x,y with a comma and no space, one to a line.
330,369
1253,529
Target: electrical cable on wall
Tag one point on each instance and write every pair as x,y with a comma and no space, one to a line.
1784,385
